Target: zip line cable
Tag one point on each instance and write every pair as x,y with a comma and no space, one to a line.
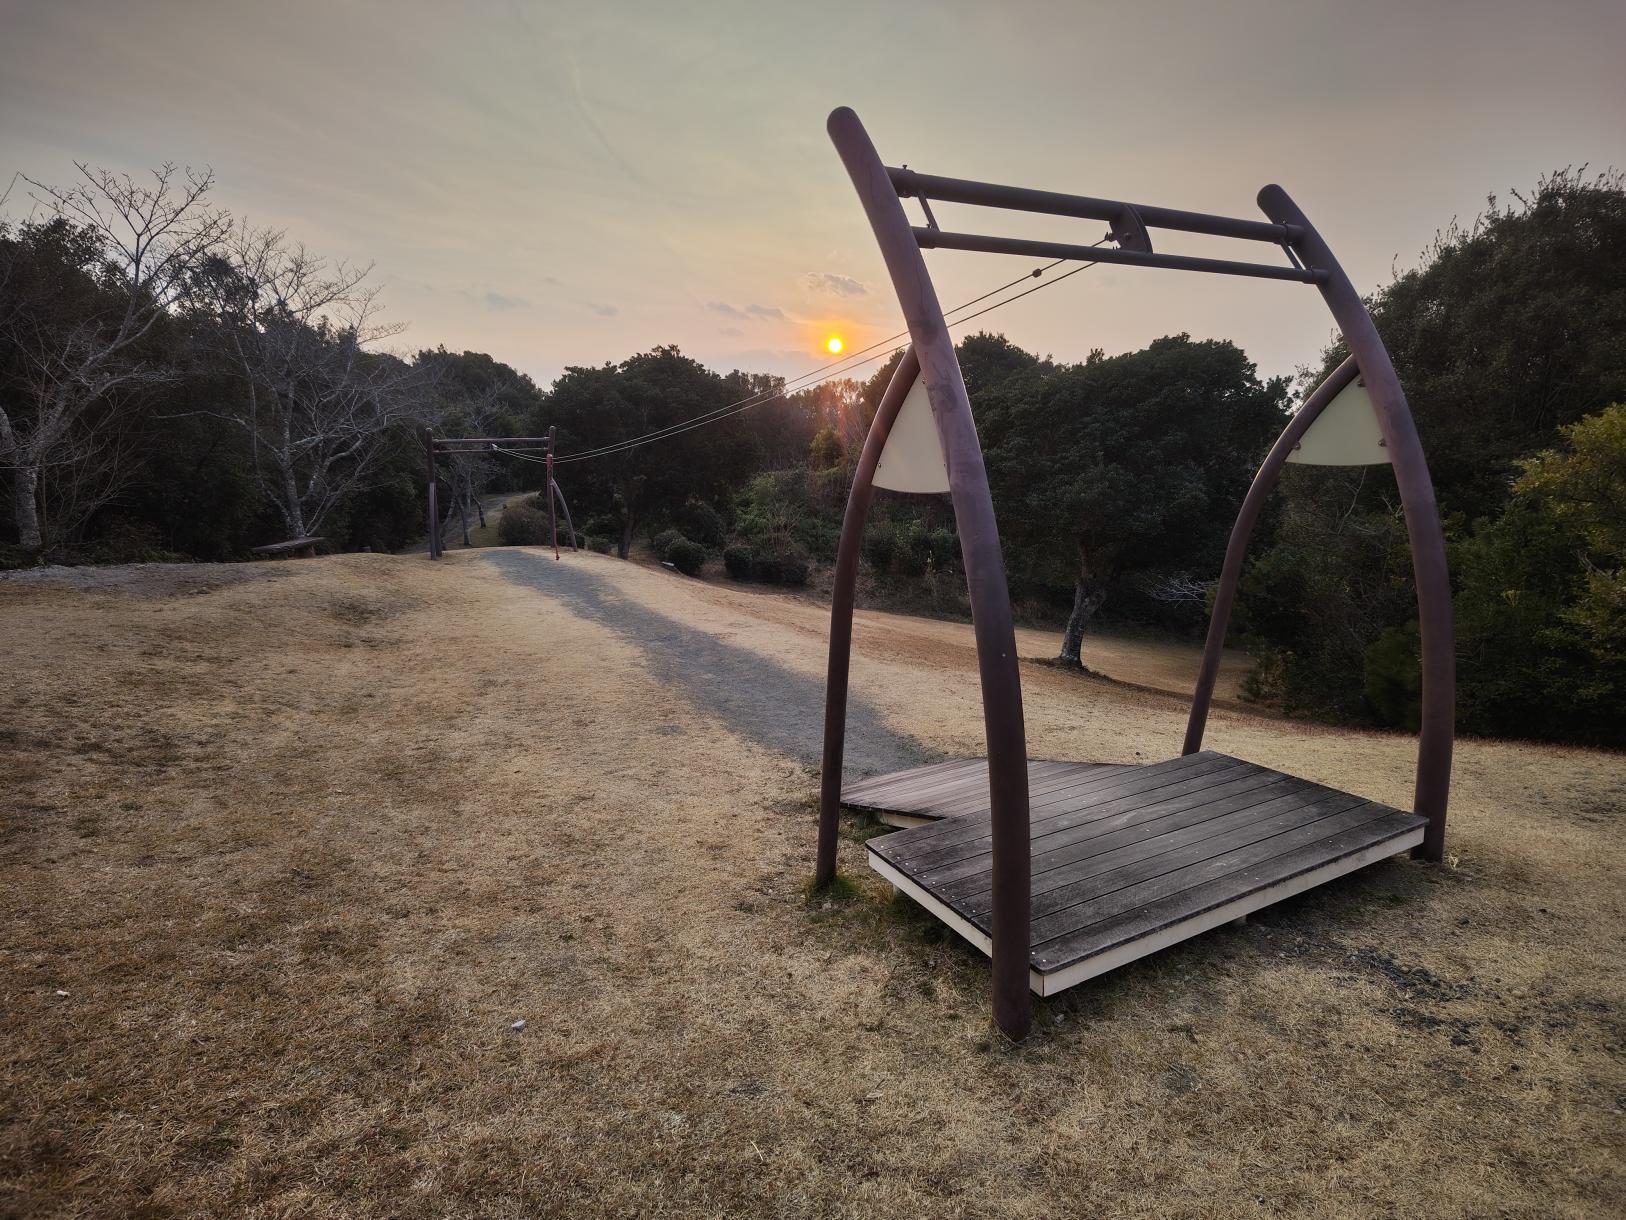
850,361
828,371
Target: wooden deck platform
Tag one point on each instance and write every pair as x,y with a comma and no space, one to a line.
944,790
1126,860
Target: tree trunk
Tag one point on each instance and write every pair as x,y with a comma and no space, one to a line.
25,506
293,513
624,547
479,508
463,518
1088,594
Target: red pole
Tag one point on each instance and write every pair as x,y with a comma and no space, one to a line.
553,522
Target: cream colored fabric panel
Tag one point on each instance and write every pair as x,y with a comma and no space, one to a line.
913,457
1346,434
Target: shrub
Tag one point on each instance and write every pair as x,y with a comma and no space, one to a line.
598,543
663,542
782,561
880,540
943,545
739,560
703,524
911,554
687,557
522,525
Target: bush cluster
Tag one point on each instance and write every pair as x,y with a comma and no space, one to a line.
664,541
522,525
777,561
686,556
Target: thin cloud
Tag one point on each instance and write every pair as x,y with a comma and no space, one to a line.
757,312
499,302
604,311
829,281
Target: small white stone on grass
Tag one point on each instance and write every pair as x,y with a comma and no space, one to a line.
59,991
518,1025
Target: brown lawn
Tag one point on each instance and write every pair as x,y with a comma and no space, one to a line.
287,850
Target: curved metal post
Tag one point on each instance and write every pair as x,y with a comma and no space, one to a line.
570,526
841,611
553,521
1237,548
434,508
1422,517
984,568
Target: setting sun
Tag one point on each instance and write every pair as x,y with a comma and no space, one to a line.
833,345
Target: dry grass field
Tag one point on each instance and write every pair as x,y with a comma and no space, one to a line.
287,852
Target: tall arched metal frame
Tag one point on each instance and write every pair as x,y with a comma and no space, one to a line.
931,356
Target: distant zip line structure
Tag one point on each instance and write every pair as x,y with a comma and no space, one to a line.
525,448
514,446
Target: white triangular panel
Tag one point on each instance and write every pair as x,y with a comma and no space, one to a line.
913,457
1345,434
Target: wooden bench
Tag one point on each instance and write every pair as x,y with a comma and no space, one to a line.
294,548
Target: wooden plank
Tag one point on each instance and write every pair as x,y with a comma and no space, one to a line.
970,795
1057,803
880,786
967,794
1153,822
970,783
1213,915
1044,794
1083,824
1137,862
1142,921
1320,863
1113,794
1063,934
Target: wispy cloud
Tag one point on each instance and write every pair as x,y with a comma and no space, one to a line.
499,302
758,312
604,311
829,281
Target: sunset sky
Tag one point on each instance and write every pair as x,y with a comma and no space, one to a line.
564,184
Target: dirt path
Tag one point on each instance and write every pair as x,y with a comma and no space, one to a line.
286,853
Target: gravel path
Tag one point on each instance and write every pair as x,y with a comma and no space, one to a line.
756,698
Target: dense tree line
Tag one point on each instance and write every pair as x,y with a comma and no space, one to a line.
1510,339
174,383
177,384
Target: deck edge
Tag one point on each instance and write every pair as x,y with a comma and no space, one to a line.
1050,983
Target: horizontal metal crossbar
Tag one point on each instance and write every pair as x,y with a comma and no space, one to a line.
936,239
488,440
910,184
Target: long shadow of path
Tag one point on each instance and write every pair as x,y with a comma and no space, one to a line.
753,696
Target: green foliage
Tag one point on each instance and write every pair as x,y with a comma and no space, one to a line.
739,561
826,451
663,542
687,557
879,544
522,525
702,523
1393,677
598,543
781,560
1106,470
1510,339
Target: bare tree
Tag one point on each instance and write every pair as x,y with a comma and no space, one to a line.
317,403
80,293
